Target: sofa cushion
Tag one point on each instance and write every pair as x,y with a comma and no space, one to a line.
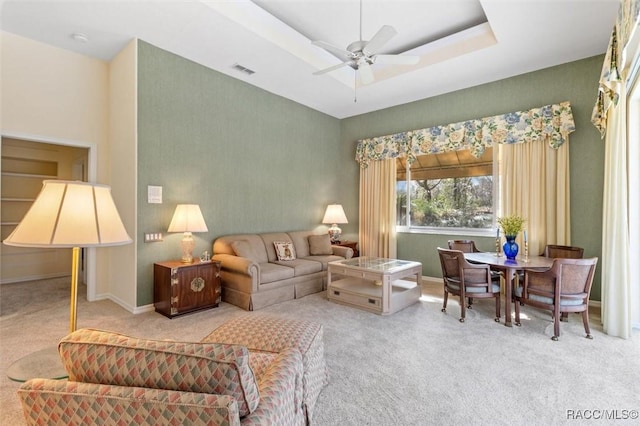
268,240
324,260
302,266
285,250
222,245
243,248
270,272
301,241
102,357
320,245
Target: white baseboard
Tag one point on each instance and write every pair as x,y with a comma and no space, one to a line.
431,280
127,306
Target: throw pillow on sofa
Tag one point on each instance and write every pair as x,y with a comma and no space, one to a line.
320,245
103,357
285,250
243,248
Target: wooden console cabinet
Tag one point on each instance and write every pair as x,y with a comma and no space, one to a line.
180,288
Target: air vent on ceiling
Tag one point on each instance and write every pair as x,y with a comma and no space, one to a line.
243,69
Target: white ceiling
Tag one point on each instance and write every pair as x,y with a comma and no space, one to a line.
461,43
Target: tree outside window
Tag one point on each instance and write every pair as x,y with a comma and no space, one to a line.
452,190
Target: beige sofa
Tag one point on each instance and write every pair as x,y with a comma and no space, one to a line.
117,379
253,275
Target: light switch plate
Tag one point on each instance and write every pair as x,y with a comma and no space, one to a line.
153,237
154,194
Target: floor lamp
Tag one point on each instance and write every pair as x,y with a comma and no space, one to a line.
68,215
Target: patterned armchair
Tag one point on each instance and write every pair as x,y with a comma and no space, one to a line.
117,379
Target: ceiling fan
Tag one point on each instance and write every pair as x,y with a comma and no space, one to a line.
361,54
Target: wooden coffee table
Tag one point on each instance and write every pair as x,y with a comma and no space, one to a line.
374,284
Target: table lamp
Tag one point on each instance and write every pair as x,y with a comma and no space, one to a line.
187,218
334,215
70,214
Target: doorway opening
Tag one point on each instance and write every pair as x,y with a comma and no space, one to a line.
26,163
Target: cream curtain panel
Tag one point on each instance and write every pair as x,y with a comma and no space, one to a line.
534,184
377,228
550,125
609,116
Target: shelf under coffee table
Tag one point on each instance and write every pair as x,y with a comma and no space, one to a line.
379,285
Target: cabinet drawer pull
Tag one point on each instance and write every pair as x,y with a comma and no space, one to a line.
372,301
197,284
336,293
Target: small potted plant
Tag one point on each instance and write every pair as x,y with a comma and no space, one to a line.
511,226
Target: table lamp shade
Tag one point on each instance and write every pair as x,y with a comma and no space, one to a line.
70,214
187,218
334,214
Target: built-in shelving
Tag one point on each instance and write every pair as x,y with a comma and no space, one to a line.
29,175
25,166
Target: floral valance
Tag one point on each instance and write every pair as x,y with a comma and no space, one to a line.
615,67
550,123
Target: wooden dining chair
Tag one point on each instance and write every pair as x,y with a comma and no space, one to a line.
565,287
469,246
466,280
565,252
465,246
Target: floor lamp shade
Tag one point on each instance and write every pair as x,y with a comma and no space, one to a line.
71,214
187,218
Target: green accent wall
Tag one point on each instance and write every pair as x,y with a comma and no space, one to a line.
576,82
257,162
253,161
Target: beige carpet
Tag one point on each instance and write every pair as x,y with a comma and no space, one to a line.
416,367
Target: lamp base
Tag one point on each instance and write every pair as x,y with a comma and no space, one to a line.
334,233
187,244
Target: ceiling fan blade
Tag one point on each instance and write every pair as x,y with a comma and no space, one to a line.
366,74
332,49
396,59
383,35
333,68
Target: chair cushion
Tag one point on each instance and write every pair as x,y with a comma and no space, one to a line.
102,357
549,300
57,402
495,288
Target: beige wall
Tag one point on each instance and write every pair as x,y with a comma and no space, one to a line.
53,95
123,154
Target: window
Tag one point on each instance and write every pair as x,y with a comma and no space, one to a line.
452,190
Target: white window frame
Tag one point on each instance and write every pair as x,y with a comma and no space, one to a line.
479,232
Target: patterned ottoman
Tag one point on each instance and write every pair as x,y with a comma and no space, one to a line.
266,335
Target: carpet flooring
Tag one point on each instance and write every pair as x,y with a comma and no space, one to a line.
417,367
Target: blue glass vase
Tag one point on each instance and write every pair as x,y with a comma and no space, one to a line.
510,247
